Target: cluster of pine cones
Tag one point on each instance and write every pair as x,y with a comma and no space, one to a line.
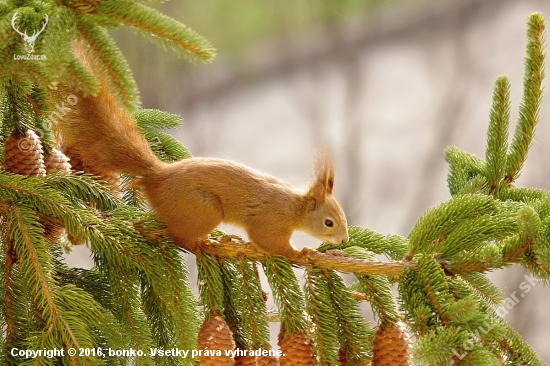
25,155
390,348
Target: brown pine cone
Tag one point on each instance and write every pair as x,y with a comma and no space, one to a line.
24,155
215,335
267,361
73,240
56,161
74,159
256,361
297,349
113,179
245,361
390,347
52,231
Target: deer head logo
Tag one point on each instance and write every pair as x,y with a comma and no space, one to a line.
29,40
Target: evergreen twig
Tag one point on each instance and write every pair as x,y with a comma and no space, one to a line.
532,95
497,134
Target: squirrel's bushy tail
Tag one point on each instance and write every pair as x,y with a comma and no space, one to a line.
102,132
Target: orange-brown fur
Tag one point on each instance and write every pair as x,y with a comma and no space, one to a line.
195,195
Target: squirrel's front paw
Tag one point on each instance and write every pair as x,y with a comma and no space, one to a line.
308,253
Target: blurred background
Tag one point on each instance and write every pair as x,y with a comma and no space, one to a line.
385,84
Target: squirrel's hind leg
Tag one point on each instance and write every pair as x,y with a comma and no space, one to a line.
190,220
189,230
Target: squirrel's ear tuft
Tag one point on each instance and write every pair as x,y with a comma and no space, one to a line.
324,171
323,181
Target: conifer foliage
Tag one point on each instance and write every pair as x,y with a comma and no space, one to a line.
136,301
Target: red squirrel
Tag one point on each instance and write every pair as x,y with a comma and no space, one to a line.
193,196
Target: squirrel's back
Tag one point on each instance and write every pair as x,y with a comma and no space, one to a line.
240,192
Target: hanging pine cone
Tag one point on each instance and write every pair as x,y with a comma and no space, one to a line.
215,335
78,165
113,179
74,159
245,361
53,230
24,155
256,361
267,361
390,347
56,161
296,350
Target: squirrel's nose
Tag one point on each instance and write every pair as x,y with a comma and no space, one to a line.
345,240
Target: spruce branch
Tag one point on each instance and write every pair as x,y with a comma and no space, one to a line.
463,169
57,41
155,119
435,347
433,280
287,294
486,289
355,336
497,134
434,227
232,246
104,50
79,77
158,28
17,112
170,305
258,323
29,245
517,350
532,96
327,332
211,286
393,246
377,291
84,187
523,194
166,147
235,302
9,295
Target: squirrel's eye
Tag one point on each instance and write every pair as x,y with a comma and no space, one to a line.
329,223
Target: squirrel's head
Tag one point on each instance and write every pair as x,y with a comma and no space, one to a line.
324,219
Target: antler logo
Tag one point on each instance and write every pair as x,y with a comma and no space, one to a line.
29,40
